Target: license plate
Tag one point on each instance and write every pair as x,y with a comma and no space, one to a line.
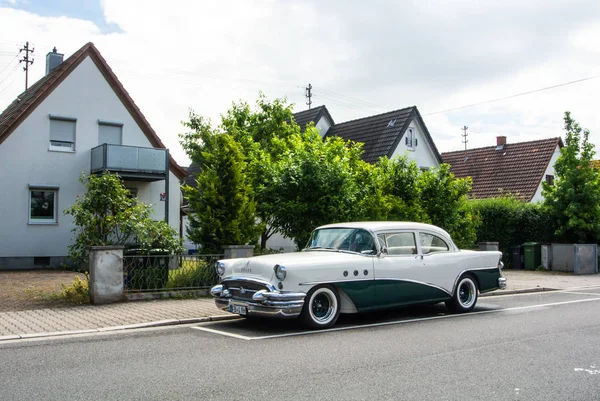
239,309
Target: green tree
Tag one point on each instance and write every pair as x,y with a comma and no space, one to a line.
107,215
223,210
444,200
262,133
401,191
574,199
313,183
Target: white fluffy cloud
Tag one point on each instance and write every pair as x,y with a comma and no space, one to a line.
361,58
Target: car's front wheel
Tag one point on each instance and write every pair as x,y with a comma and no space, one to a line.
321,307
465,295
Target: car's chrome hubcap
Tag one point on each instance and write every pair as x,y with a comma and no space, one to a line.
466,293
322,307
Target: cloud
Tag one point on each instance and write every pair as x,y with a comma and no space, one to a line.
361,58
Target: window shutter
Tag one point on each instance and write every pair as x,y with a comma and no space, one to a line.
62,131
111,134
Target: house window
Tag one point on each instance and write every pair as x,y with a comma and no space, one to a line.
110,132
43,204
62,133
411,138
550,179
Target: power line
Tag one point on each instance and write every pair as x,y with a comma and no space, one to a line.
9,63
351,99
513,96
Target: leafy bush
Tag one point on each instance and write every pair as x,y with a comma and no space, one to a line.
192,274
106,215
510,221
78,292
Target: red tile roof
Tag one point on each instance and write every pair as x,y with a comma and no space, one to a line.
27,101
516,168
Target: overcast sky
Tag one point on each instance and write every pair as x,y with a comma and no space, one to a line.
361,57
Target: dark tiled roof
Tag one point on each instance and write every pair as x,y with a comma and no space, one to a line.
382,133
27,101
311,115
517,168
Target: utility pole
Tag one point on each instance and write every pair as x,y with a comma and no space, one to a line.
309,95
465,128
27,61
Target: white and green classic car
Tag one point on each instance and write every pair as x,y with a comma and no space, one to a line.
358,267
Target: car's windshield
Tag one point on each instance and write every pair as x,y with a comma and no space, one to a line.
342,239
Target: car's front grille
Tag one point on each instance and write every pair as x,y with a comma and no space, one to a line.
243,290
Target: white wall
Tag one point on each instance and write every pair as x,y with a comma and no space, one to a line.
423,153
323,126
549,171
25,159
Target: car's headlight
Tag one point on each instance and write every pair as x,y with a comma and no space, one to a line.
280,272
220,268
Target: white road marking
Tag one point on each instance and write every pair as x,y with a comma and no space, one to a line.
224,333
579,293
423,319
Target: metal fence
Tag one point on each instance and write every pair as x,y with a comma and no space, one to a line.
143,273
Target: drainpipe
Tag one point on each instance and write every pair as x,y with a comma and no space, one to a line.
167,186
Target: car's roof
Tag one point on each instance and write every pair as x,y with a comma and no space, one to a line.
388,225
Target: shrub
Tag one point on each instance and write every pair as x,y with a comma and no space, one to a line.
78,292
510,221
192,274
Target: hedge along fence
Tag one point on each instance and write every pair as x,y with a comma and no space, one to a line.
510,221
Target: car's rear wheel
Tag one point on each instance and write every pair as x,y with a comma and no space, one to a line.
465,295
321,307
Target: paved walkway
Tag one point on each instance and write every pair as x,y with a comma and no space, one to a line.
81,319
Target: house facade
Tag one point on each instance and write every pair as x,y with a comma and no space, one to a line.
517,169
78,119
396,133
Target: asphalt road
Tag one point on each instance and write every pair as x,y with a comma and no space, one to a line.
543,346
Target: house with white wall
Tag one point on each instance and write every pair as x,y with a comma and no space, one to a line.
396,133
77,119
516,169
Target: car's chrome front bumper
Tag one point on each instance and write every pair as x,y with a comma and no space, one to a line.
267,303
502,283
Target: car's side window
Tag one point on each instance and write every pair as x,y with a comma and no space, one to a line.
401,244
431,243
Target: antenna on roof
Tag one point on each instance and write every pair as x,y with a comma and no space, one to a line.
465,140
308,95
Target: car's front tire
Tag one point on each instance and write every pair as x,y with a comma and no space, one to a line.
465,295
321,307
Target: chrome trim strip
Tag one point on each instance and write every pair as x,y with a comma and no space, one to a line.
336,281
377,279
416,282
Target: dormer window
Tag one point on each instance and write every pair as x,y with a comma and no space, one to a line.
411,138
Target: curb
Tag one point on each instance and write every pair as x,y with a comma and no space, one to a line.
521,291
158,323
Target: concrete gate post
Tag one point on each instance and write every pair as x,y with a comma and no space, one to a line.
238,251
106,274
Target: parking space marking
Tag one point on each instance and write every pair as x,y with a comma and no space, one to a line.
579,293
302,333
224,333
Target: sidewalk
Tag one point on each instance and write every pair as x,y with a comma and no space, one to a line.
19,324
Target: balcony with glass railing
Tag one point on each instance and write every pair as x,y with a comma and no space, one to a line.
131,162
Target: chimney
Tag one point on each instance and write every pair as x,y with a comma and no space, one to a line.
53,60
500,141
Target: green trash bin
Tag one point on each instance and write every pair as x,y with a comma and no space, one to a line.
532,255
